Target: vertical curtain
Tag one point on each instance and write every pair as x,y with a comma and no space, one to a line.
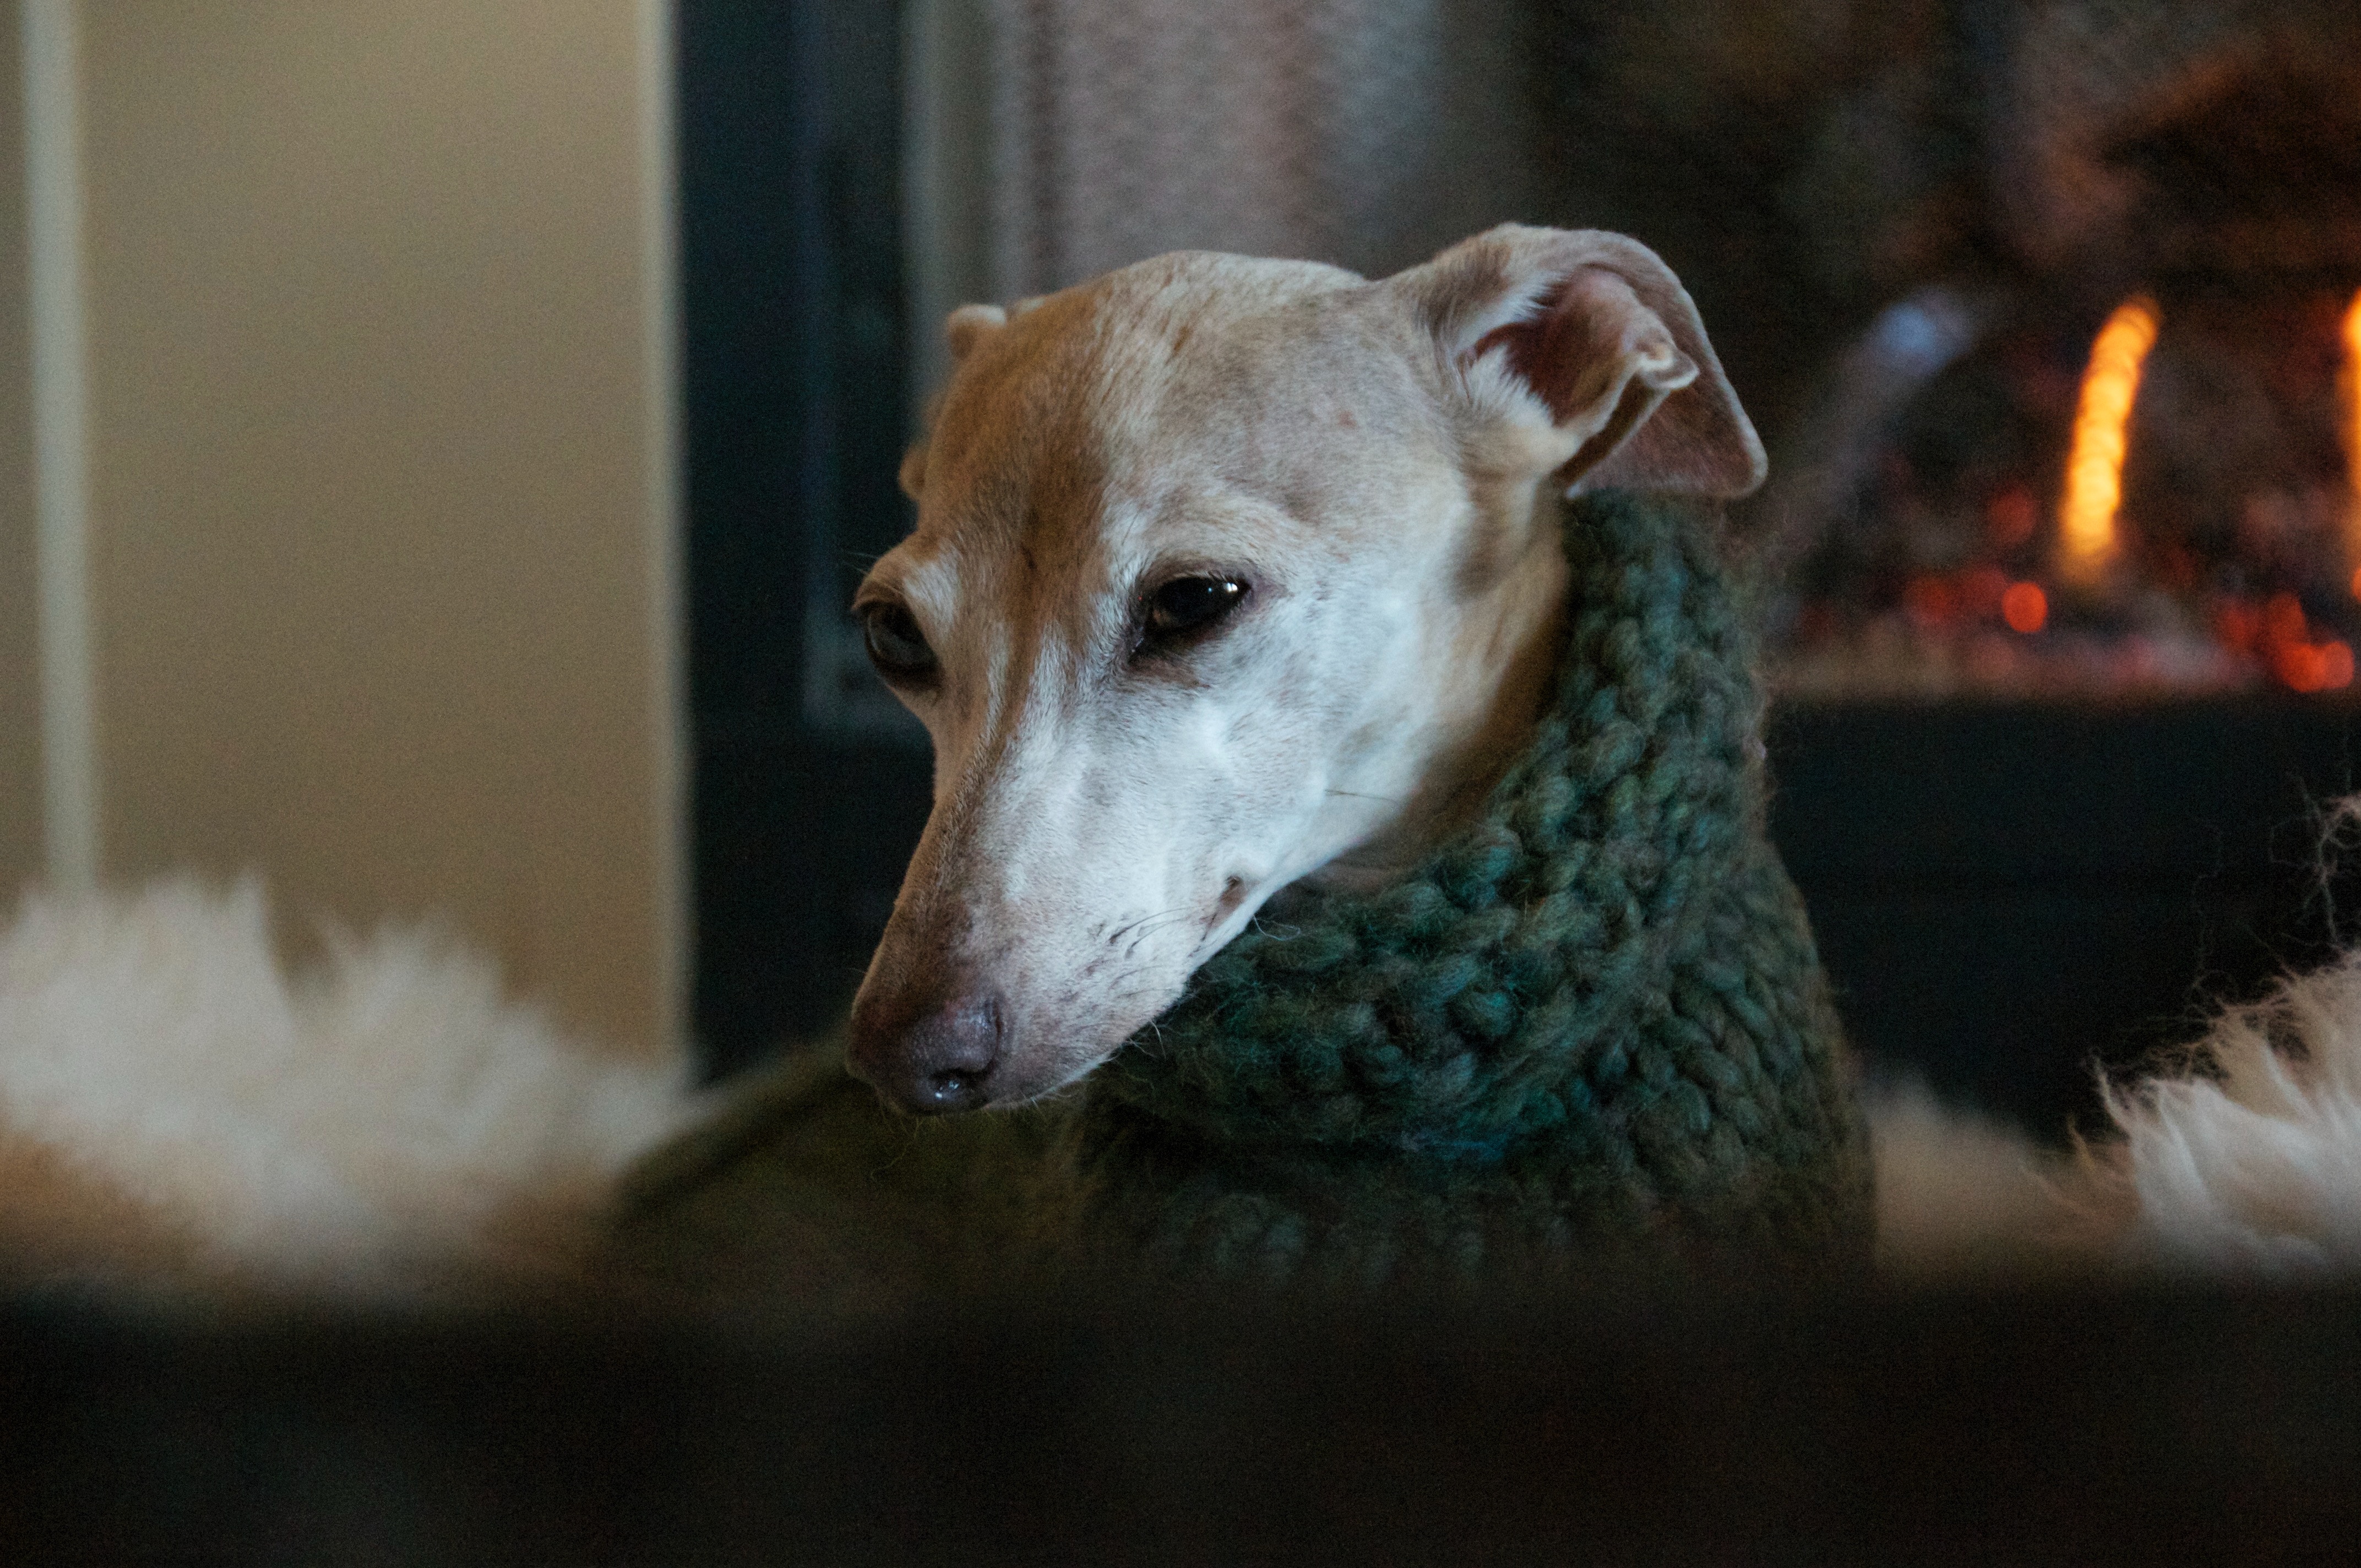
1367,133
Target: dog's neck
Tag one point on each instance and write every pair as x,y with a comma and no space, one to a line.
1508,660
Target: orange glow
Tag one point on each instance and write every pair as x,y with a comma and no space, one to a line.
2087,541
2314,666
2348,384
1930,601
2025,606
2281,633
2238,625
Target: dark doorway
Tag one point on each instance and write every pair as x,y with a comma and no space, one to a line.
810,785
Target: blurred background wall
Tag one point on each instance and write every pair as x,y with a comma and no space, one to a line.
375,299
20,712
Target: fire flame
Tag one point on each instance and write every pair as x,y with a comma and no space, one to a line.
2094,469
2349,384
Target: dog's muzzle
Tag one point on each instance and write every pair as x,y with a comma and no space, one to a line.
927,1054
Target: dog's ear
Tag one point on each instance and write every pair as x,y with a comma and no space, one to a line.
971,325
911,475
962,329
1579,352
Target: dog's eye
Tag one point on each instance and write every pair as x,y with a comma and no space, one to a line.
1190,604
895,644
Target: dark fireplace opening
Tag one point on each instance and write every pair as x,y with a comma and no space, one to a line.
2010,896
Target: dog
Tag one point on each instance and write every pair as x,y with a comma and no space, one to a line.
1234,579
1231,575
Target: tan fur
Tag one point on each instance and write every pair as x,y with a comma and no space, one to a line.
2242,1155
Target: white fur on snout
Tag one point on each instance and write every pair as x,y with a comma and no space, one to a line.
1089,858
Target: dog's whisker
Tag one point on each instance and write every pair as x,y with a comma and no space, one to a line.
1148,927
910,1136
1120,931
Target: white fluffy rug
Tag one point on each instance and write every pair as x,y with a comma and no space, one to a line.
2242,1155
2250,1157
177,1113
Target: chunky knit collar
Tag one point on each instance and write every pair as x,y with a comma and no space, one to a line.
1592,1027
1497,995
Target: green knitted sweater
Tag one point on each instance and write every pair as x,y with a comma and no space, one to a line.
1590,1031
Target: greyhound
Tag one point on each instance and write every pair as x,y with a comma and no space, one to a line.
1232,575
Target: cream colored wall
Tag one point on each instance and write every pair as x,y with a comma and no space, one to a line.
20,713
379,529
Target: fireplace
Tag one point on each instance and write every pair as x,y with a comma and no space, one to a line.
2164,503
2122,458
2065,552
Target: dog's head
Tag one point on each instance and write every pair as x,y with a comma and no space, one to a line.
1228,574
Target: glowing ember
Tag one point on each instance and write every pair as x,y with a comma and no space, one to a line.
2094,470
2281,634
2348,383
2025,606
2227,559
2315,667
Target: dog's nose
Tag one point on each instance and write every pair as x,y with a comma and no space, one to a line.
928,1054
